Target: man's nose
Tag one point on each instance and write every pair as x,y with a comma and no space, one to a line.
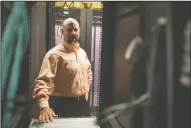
73,32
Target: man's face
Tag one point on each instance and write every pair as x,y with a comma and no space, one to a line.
71,33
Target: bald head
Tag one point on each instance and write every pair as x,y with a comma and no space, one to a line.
71,30
70,21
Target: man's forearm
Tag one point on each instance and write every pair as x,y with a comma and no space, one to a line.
43,102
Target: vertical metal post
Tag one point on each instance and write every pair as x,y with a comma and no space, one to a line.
82,28
0,52
48,25
29,57
107,53
169,72
89,20
94,47
38,42
86,19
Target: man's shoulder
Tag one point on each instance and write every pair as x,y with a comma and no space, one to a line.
82,51
56,50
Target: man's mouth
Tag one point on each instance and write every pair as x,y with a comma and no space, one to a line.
72,39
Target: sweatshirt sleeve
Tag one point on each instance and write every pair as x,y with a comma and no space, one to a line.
44,83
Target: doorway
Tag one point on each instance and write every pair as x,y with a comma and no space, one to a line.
89,16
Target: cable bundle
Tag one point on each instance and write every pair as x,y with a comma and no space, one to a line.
15,40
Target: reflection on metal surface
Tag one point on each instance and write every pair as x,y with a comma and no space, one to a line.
185,73
110,117
132,47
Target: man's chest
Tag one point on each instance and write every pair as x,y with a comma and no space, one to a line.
74,62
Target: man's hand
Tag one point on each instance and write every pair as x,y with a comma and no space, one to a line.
46,115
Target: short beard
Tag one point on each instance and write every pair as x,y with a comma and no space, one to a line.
72,40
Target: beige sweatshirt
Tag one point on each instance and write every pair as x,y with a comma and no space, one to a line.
64,72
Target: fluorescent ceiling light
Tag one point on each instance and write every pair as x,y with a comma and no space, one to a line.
66,12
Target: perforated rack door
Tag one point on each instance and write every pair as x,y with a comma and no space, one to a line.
99,61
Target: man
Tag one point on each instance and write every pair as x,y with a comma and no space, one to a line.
65,76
